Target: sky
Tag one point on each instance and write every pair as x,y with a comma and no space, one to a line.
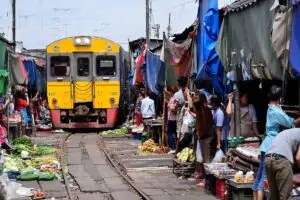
40,22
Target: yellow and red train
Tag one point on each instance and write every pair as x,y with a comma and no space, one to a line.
87,82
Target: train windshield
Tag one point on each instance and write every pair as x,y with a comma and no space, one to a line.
106,66
60,65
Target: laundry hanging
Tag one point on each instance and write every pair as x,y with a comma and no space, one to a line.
138,76
177,59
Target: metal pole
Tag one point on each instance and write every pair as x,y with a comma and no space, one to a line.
169,26
147,23
14,23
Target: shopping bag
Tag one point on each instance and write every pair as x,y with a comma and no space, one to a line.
199,153
219,156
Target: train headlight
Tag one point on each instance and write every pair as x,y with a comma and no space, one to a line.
54,101
82,41
112,100
78,41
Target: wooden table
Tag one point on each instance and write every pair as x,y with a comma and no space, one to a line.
241,191
154,124
14,130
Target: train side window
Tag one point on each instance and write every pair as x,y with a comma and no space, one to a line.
83,66
106,66
60,65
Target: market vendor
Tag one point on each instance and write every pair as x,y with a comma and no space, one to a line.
147,107
6,102
248,117
221,122
3,139
280,158
22,103
277,120
141,96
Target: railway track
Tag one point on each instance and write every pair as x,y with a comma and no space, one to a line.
78,190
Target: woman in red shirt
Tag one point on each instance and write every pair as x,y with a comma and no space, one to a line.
22,102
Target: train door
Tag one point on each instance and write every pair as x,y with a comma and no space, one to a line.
83,77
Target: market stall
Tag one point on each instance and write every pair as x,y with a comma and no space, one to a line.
28,162
154,130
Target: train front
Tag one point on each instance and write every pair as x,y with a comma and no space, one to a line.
83,82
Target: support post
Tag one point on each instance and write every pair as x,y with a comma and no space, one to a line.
14,23
147,23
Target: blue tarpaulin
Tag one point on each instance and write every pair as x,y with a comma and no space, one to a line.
209,64
295,41
30,67
154,73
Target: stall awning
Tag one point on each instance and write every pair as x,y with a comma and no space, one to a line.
295,41
245,33
18,75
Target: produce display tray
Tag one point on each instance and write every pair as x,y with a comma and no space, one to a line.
240,185
183,169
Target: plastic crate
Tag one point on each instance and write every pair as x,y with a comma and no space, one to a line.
220,188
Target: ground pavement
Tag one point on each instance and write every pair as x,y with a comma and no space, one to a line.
92,177
95,178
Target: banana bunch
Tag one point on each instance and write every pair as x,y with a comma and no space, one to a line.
186,155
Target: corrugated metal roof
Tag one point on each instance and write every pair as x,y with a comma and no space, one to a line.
239,5
4,39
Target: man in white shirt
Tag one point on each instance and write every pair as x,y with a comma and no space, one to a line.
147,108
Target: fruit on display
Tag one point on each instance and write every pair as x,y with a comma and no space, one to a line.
149,147
186,155
240,178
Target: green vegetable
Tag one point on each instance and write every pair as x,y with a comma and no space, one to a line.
46,176
116,132
21,147
28,171
28,177
23,141
45,150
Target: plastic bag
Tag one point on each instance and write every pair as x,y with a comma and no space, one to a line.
11,189
218,157
199,153
187,118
